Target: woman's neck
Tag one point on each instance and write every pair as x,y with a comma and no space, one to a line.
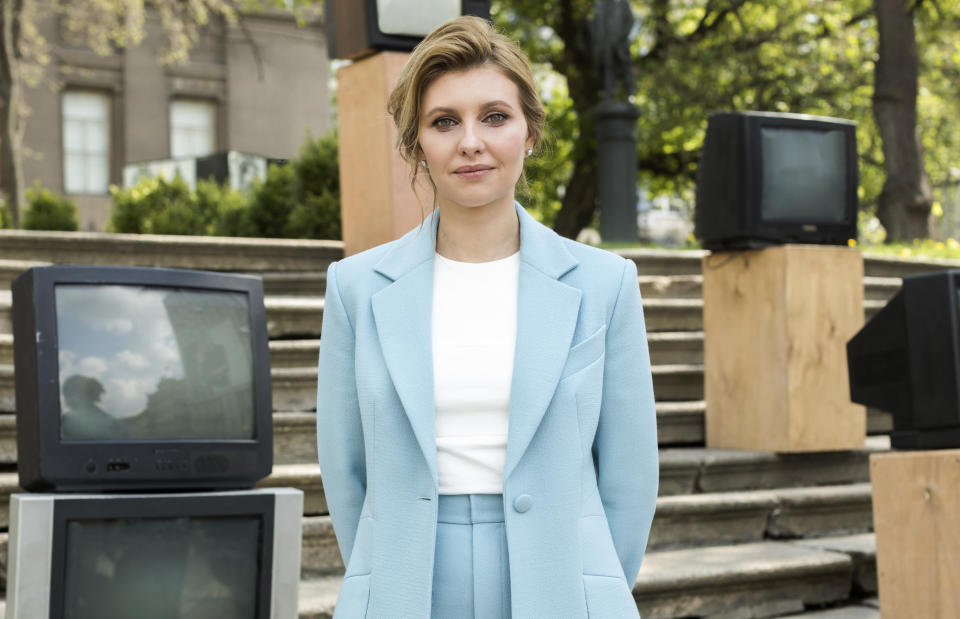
478,234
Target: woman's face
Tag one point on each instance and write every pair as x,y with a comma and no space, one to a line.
474,137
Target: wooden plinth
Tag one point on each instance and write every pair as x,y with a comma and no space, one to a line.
377,202
776,323
916,516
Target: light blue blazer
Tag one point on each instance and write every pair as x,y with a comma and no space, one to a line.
580,482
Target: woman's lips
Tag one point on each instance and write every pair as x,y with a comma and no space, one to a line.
473,171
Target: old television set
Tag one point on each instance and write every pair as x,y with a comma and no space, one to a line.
906,360
229,554
356,28
140,378
771,178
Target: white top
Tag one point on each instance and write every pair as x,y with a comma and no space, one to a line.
474,324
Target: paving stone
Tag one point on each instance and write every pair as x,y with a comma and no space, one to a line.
768,577
823,510
862,550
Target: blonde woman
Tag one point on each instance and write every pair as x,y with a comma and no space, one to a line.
485,413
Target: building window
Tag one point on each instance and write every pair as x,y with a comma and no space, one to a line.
192,128
86,142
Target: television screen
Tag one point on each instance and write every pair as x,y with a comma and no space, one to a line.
906,360
770,178
161,379
804,175
225,555
138,362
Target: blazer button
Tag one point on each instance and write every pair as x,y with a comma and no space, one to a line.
523,503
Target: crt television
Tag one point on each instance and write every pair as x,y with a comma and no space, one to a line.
140,378
223,555
770,178
356,28
906,360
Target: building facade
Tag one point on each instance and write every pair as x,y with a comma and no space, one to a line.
258,86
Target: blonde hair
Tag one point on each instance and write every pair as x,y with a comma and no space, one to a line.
460,44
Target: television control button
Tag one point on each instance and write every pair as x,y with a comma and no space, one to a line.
523,503
91,467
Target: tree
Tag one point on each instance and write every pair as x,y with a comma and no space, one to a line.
905,202
103,25
696,57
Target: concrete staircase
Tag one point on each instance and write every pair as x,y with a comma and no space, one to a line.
737,533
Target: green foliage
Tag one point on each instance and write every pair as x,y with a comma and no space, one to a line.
49,211
298,200
301,199
158,206
6,220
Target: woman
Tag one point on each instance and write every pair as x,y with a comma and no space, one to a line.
485,414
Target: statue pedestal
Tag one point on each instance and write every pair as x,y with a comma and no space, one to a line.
776,322
377,202
916,515
616,123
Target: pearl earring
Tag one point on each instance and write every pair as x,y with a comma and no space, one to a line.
529,152
423,162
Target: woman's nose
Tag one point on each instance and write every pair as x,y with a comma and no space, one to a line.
470,140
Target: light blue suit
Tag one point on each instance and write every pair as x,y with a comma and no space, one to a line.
580,481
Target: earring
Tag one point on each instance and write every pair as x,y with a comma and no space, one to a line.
423,162
529,152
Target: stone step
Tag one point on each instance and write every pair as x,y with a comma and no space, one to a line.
10,269
691,287
762,579
683,471
868,608
694,521
186,252
6,349
293,283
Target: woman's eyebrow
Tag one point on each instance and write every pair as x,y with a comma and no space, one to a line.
487,105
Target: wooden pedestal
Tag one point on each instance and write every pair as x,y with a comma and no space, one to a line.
776,323
916,516
377,202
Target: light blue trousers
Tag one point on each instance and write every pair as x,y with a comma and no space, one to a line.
471,575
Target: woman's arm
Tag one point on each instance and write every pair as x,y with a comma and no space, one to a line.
339,432
625,446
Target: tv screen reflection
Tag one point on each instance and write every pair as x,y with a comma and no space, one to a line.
188,568
151,363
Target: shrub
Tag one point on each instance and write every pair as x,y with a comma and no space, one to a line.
301,199
158,206
49,211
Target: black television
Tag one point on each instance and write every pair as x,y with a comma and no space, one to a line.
356,28
906,360
223,555
140,378
771,178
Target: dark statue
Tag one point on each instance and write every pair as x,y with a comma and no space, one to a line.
607,38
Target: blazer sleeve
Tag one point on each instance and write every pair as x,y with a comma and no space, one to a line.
339,431
625,445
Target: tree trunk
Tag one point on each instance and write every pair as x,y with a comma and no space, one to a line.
11,173
904,203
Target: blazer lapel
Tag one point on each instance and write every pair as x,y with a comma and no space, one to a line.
547,311
402,311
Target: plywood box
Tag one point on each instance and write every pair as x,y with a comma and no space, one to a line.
377,201
916,516
776,323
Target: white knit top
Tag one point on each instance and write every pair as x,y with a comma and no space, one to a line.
474,325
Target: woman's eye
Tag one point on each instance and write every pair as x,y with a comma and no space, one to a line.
496,117
443,123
